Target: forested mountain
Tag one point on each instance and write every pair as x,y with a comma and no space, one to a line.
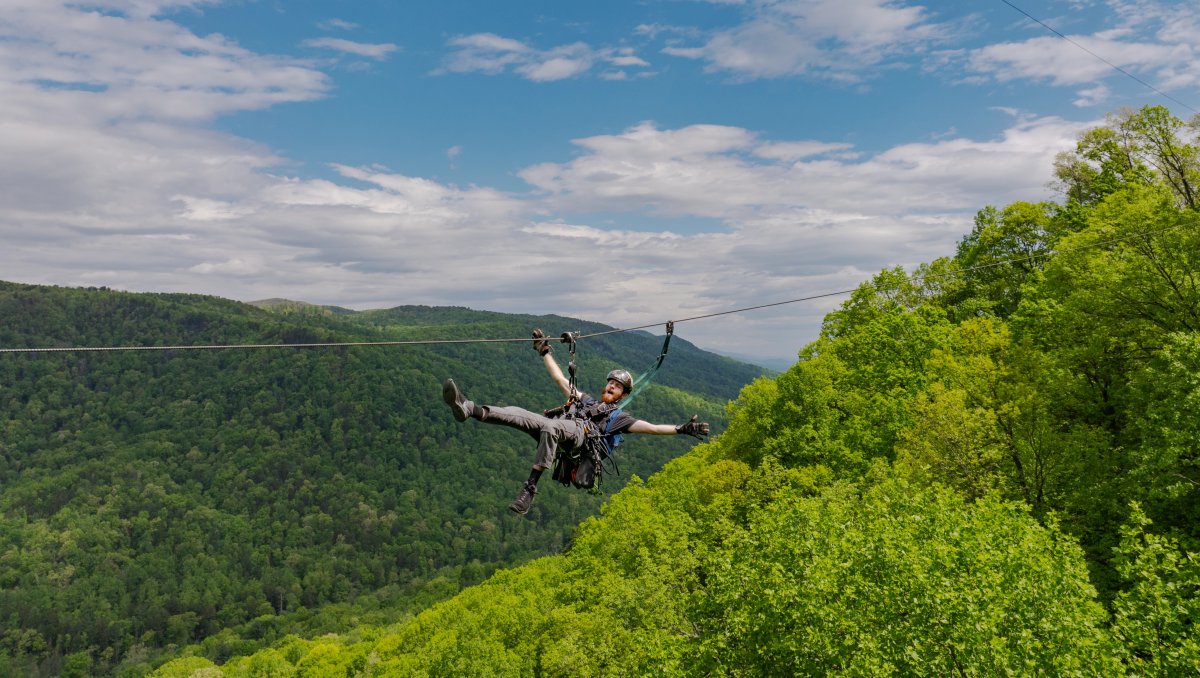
989,468
151,499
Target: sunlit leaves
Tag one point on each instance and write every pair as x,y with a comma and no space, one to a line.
899,580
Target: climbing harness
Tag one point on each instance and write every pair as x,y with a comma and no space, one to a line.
584,466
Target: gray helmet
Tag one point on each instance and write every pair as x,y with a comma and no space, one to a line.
623,378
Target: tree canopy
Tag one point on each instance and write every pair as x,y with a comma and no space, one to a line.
150,500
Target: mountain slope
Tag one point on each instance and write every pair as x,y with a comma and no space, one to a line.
151,499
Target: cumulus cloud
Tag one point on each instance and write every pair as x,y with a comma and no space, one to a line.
493,54
801,217
378,51
1063,63
337,24
1092,96
729,173
831,39
1153,41
133,65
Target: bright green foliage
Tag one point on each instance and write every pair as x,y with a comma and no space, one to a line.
1161,142
901,581
184,668
490,629
990,420
1000,254
956,436
1135,148
1104,161
1167,464
847,399
1102,317
266,664
637,587
1155,618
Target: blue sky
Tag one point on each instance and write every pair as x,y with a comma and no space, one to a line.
626,162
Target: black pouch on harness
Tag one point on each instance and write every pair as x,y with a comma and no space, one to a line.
580,468
584,476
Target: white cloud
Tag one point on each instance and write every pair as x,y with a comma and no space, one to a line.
654,30
833,39
797,222
558,64
135,8
796,150
628,61
1154,41
1063,63
712,171
337,24
207,209
485,53
117,66
493,54
378,52
1092,96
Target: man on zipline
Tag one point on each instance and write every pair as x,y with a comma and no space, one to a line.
602,420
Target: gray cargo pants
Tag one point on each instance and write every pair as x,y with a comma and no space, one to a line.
549,433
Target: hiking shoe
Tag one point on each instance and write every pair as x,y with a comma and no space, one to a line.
460,407
521,504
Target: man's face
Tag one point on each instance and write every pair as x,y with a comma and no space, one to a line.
613,391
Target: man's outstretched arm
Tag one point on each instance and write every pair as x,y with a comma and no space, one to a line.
542,346
556,373
698,429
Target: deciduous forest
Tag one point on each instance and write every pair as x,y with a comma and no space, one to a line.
152,500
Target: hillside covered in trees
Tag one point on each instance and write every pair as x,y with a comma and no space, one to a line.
153,499
986,468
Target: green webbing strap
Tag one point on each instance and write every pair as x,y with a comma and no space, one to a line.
646,377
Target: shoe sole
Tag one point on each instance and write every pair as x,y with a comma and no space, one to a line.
451,396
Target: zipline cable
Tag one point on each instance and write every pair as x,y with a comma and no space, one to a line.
1111,64
912,278
198,347
579,336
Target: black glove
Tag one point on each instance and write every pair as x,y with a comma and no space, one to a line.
696,429
542,345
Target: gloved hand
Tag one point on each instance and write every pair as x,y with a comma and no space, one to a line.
696,429
542,345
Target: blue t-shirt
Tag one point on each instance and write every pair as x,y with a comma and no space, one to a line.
611,424
616,423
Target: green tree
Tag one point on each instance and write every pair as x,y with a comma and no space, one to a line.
1135,147
1155,617
897,580
999,255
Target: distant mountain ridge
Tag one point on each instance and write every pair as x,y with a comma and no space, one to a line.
280,305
